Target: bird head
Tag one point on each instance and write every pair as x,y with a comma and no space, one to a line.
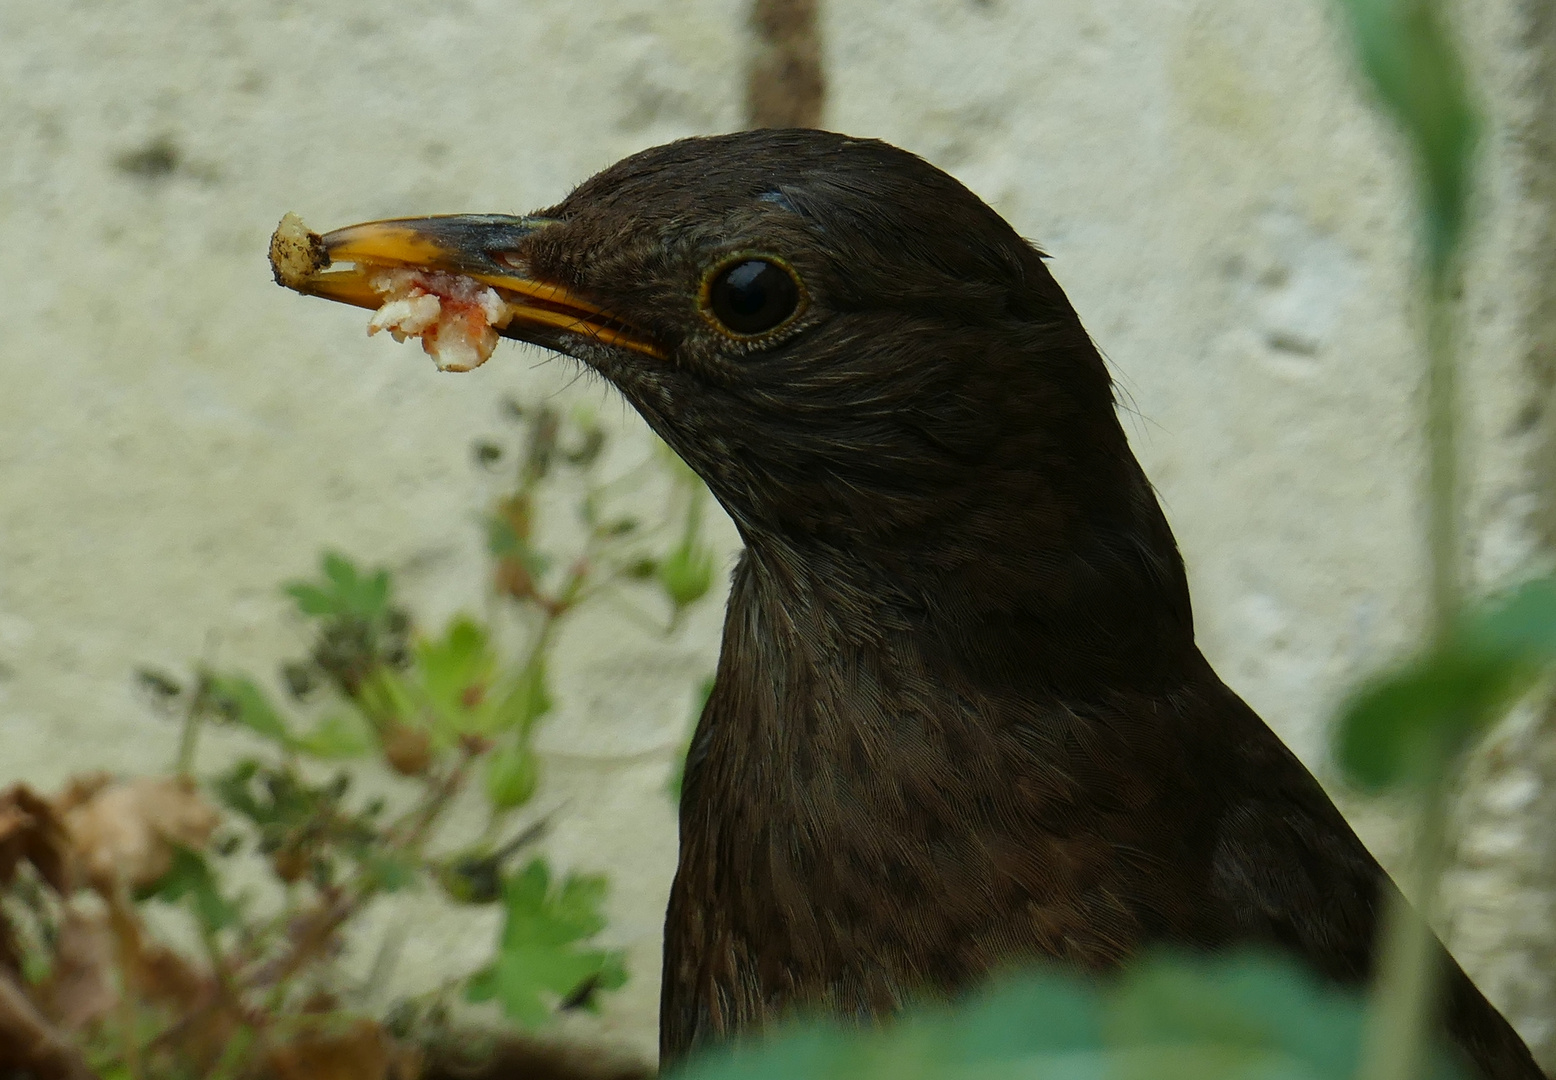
852,349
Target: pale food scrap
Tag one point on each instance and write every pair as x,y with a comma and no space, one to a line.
295,253
456,317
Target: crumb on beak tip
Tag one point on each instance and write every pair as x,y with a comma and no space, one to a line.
296,254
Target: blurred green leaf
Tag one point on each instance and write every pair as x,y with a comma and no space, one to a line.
540,953
1518,625
337,737
387,699
526,701
345,591
1399,722
387,872
1414,65
190,878
686,574
503,542
1227,1017
243,702
461,682
512,774
311,600
457,669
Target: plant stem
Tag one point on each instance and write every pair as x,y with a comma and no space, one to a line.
189,734
1405,990
233,1054
1406,983
1442,416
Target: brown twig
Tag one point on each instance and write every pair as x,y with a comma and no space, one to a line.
320,925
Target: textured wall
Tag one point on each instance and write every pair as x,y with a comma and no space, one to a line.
177,434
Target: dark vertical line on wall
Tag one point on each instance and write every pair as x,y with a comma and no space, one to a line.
786,85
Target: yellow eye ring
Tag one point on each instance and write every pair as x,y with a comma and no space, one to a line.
750,296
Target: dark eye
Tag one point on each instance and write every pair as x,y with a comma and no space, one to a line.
753,296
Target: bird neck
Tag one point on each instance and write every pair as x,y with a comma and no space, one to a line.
1106,606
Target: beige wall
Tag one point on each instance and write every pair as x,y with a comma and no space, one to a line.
177,435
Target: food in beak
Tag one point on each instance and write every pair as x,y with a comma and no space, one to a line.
456,317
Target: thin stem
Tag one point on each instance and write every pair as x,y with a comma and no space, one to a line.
189,733
233,1054
1442,415
1405,994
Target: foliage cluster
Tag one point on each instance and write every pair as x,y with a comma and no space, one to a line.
263,985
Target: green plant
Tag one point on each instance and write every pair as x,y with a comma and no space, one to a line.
88,874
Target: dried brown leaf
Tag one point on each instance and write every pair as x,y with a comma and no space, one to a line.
360,1052
80,989
124,832
31,831
165,976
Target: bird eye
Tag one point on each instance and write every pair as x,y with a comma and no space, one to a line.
752,296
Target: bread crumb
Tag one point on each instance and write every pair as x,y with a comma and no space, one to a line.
295,253
456,317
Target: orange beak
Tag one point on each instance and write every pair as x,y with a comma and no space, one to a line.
341,266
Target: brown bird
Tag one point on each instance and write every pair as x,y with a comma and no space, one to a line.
960,719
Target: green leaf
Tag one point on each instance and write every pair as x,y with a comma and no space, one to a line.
1521,623
234,790
464,692
1398,726
311,600
340,571
338,736
540,954
512,774
686,574
344,592
527,700
1414,66
245,703
1227,1017
459,660
386,872
190,878
386,697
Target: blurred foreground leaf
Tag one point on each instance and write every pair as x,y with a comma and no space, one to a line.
337,737
1398,723
1414,66
1168,1018
344,591
512,774
243,702
190,878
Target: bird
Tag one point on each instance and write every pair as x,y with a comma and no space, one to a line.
960,720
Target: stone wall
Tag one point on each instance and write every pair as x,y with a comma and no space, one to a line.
1230,218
